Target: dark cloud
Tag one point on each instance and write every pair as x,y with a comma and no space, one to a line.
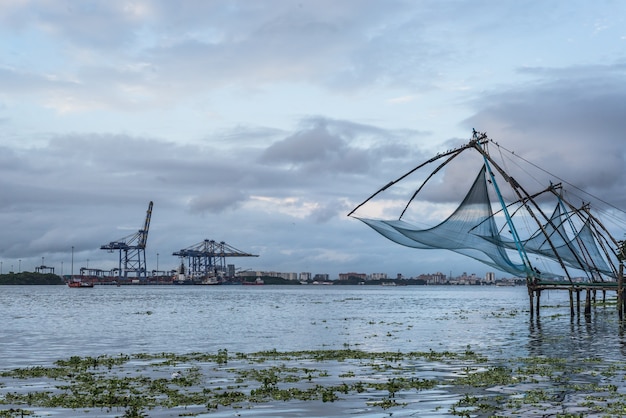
330,146
325,211
571,124
216,200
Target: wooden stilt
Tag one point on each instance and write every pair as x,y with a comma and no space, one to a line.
530,298
591,294
620,292
538,301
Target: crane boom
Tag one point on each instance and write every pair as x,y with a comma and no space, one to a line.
144,232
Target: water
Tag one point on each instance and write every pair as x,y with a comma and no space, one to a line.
41,324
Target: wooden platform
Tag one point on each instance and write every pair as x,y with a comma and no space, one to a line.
591,289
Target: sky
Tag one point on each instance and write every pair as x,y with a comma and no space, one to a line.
264,123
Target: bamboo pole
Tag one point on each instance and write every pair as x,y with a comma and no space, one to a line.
571,301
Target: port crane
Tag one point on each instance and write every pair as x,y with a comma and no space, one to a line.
132,250
208,258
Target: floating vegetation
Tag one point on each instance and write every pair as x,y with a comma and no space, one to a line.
198,383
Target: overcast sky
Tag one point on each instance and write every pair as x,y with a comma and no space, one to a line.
263,123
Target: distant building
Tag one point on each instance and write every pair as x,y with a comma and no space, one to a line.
286,276
283,275
305,276
348,276
379,276
490,277
321,277
435,278
466,279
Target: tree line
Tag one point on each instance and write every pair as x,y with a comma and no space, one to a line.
30,278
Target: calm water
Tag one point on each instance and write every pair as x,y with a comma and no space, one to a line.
41,324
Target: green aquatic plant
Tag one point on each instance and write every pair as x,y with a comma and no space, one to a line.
386,403
137,384
496,375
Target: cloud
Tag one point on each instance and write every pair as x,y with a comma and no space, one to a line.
570,122
216,201
326,211
325,146
154,54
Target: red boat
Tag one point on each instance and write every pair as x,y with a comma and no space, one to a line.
78,283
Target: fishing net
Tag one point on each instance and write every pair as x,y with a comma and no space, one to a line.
463,232
471,230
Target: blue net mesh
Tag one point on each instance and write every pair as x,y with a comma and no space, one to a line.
471,230
463,232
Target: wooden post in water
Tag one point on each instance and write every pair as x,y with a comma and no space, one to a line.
529,286
578,301
621,303
620,291
538,301
588,303
571,302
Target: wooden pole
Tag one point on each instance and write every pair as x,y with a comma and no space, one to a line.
588,303
578,301
538,301
620,291
623,298
530,298
571,301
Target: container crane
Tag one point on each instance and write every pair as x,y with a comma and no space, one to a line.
132,250
208,258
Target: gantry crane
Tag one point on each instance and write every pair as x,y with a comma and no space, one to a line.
208,258
132,250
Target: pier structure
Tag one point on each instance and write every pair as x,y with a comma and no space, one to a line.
589,288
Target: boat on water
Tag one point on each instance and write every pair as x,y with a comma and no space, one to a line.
209,281
79,283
